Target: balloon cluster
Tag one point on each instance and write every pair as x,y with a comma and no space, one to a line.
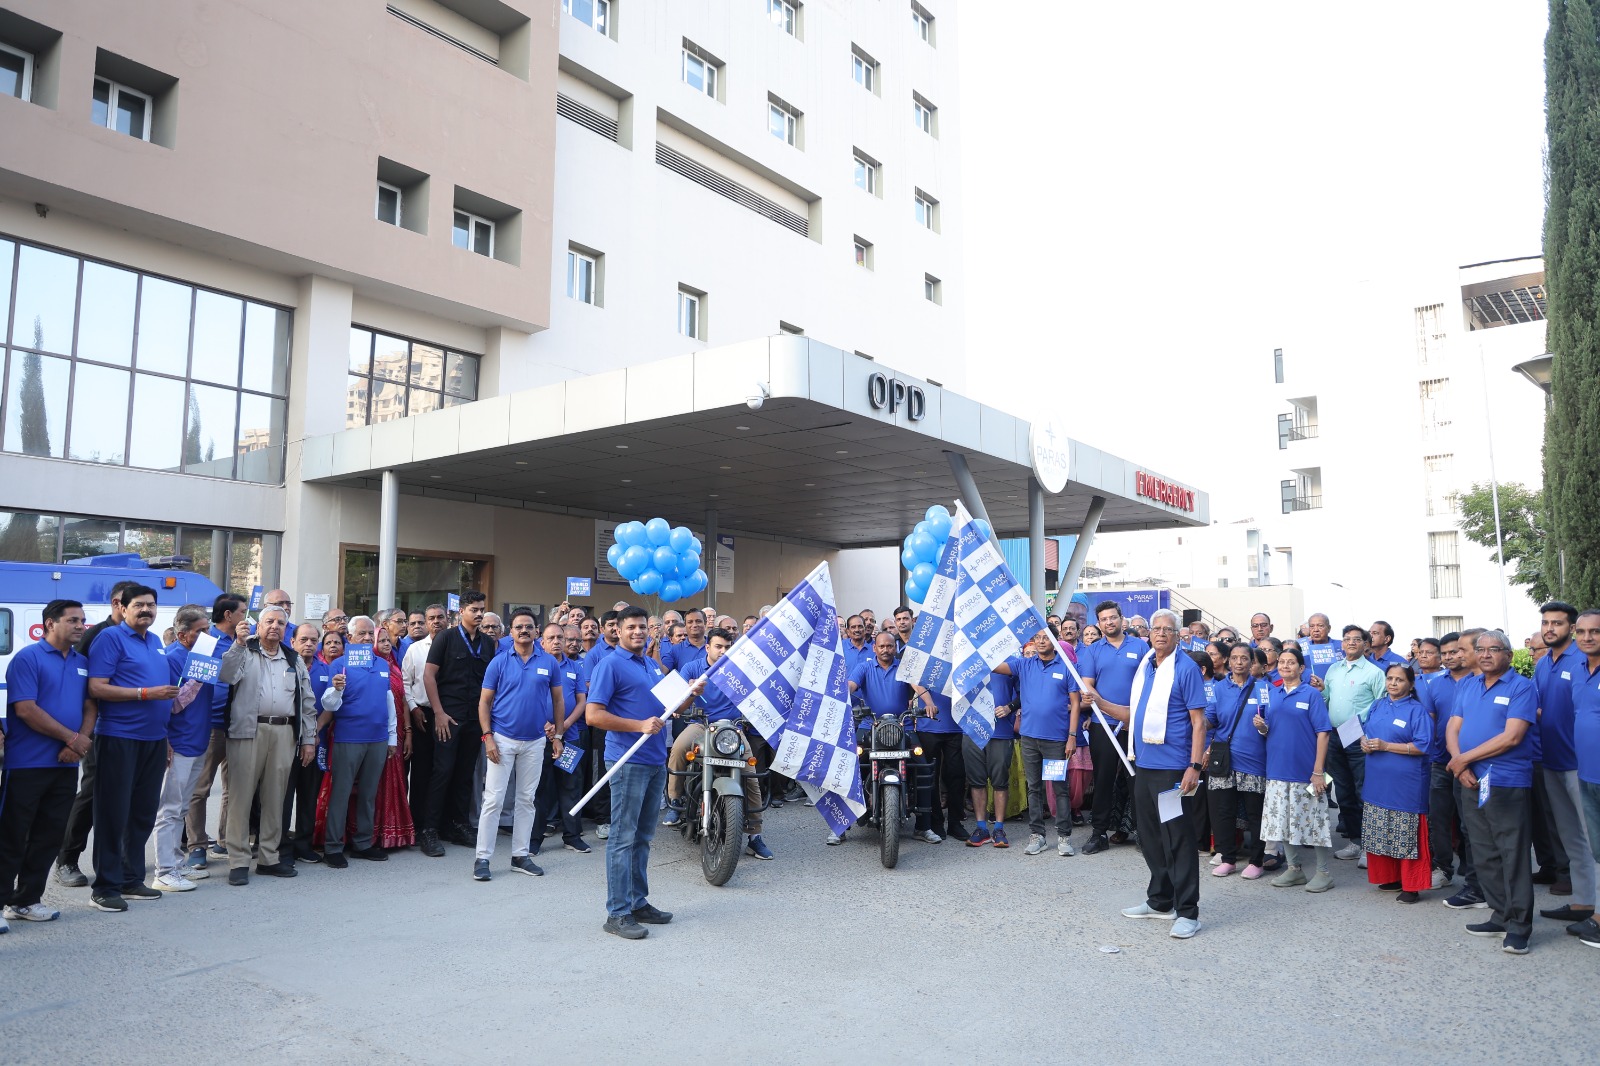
922,547
658,559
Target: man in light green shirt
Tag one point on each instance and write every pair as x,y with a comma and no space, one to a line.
1350,688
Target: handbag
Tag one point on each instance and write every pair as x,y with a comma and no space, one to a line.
1221,764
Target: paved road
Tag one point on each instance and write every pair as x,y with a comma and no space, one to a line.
822,956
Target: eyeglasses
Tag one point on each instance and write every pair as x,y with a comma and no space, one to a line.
522,629
1496,648
1163,629
1259,625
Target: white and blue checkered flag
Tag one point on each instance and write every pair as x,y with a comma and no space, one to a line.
787,677
974,618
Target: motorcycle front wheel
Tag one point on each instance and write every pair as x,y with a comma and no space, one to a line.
719,851
890,801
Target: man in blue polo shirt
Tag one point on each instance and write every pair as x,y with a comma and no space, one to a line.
940,739
1108,666
1381,652
874,685
1320,649
521,702
49,722
559,789
677,656
1491,753
1049,728
600,806
621,703
859,644
1436,693
188,735
129,679
365,735
989,767
1553,675
1168,726
1586,741
227,611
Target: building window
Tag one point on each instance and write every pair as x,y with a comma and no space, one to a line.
689,316
864,256
1299,494
866,174
121,108
1446,623
1434,394
583,276
1277,365
16,72
206,371
233,558
924,116
1430,335
1444,566
700,71
782,123
784,16
864,69
391,377
473,233
389,198
596,14
926,210
421,578
1438,480
922,23
932,289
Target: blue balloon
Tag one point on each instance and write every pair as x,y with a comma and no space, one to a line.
648,583
939,527
922,574
665,560
614,553
936,512
680,539
923,547
694,582
908,559
671,591
658,530
985,530
923,527
631,533
688,563
913,593
699,548
634,562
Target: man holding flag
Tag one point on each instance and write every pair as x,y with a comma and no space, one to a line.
1050,704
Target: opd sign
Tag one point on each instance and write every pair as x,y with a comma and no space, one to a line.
883,391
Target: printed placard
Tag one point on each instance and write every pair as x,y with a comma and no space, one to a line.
358,656
1055,769
202,668
570,759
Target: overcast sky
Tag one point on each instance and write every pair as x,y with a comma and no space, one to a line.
1154,190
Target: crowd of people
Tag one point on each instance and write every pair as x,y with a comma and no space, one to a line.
350,737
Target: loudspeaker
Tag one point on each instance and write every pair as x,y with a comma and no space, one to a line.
1192,616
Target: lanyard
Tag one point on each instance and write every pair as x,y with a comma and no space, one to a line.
472,645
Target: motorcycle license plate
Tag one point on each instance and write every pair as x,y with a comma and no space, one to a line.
713,761
891,755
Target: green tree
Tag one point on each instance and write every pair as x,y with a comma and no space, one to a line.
1521,531
1572,286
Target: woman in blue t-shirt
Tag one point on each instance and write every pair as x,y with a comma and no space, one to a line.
1244,787
1394,821
1296,809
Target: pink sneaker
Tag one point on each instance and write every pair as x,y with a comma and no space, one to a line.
1223,869
1252,872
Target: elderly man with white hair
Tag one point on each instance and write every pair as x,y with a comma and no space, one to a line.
1167,737
272,706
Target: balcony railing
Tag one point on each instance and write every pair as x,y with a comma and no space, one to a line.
1288,430
1302,432
1301,503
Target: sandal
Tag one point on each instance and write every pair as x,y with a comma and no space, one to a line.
1273,862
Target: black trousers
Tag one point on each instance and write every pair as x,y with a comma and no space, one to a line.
34,804
422,741
127,795
1502,843
1547,847
943,752
1170,848
1108,774
1469,870
599,807
80,819
301,795
557,792
1442,818
450,785
1224,806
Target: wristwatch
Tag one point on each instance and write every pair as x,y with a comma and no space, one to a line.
1195,767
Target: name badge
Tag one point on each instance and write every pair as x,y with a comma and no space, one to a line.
1059,677
323,678
82,672
1504,701
384,674
1401,722
1132,654
571,676
1483,790
1566,675
1251,702
1303,706
543,672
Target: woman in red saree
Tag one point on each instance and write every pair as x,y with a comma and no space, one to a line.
391,819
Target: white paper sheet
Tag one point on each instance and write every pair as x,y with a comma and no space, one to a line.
204,644
671,690
1350,731
1170,804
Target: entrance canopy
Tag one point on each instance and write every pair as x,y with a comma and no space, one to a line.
842,451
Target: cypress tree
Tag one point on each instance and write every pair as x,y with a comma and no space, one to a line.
1572,285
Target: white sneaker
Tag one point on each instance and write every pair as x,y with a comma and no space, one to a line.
930,836
193,873
834,839
1362,862
36,912
1440,880
1349,851
1064,847
1035,844
1216,860
604,832
173,881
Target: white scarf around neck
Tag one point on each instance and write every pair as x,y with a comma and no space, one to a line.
1153,730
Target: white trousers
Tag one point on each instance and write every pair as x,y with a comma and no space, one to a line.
525,758
176,790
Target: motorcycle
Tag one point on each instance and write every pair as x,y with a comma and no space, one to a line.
886,749
714,805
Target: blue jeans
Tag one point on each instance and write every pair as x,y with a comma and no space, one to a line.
635,810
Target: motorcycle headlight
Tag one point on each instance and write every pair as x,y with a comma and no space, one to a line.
887,735
727,742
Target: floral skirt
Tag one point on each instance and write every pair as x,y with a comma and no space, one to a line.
1295,816
1239,780
1391,833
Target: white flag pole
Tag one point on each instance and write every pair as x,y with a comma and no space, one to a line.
1100,717
664,715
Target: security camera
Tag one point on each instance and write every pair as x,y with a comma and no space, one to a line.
757,397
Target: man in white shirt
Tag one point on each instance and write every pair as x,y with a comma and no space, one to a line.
412,671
